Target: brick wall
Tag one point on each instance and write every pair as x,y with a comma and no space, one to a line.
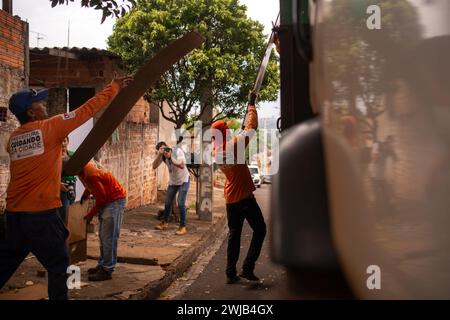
12,40
129,154
12,48
52,71
57,101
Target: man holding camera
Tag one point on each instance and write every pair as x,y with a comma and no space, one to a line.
178,182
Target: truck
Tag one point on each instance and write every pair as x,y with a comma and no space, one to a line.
360,202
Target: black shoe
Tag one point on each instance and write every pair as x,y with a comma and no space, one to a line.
101,275
233,279
249,276
93,270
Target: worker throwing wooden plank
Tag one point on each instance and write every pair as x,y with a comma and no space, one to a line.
33,194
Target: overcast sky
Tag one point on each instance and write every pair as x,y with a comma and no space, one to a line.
49,26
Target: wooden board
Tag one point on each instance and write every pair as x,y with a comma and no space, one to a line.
76,223
144,79
77,227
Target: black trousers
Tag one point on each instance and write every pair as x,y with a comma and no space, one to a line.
42,234
246,209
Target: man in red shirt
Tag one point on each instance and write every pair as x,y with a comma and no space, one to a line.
240,201
109,206
33,194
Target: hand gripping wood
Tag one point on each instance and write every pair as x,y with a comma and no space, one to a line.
143,80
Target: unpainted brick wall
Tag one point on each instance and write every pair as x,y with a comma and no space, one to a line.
12,48
129,154
55,71
12,40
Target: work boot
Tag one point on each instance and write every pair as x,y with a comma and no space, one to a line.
101,275
94,270
162,226
249,276
181,231
233,279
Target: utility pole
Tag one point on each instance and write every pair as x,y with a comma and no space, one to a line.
206,174
66,56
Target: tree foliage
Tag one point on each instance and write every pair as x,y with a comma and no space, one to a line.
361,58
221,73
108,7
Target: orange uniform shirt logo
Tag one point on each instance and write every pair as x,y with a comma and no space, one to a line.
26,145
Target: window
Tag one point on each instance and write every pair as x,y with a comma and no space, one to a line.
78,96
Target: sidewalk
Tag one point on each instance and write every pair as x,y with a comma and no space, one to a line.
149,260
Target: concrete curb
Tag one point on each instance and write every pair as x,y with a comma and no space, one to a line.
155,288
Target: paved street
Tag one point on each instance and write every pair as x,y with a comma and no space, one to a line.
148,259
210,281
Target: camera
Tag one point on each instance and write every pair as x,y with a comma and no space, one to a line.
71,193
167,149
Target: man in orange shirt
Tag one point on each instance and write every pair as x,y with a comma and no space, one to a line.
33,194
109,206
240,201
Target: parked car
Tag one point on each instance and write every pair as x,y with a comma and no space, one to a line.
256,175
267,178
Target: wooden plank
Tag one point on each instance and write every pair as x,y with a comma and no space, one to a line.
76,223
144,79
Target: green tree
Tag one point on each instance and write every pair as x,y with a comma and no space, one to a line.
221,73
361,57
109,7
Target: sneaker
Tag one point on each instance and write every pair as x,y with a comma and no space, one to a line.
180,231
249,276
93,270
162,226
101,275
233,279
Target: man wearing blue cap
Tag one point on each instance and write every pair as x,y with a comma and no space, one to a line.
33,194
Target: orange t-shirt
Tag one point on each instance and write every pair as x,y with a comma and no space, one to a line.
102,185
239,184
35,153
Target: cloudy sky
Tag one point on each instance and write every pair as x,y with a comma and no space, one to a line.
49,26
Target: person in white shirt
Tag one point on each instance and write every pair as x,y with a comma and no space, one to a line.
178,182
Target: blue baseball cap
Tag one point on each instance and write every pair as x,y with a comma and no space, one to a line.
22,100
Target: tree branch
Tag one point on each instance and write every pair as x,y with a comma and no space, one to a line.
173,110
189,106
164,115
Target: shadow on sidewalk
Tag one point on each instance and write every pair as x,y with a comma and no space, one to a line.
149,260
